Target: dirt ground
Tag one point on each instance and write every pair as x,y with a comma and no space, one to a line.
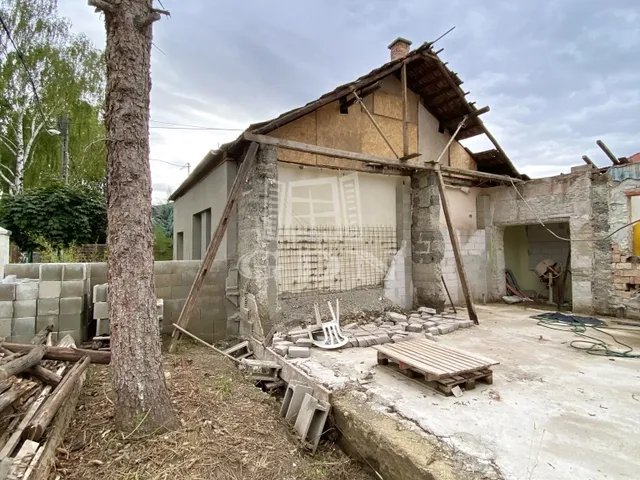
231,430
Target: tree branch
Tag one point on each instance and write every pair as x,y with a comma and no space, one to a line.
104,5
8,143
154,16
9,182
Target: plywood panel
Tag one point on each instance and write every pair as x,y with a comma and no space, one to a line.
460,158
302,130
337,130
374,144
391,106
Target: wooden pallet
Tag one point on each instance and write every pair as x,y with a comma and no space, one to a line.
446,366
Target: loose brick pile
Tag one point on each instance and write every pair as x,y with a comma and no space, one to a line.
391,327
626,274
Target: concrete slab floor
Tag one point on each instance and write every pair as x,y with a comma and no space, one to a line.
553,412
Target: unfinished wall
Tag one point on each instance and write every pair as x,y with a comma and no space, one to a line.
60,295
257,224
197,212
462,202
565,198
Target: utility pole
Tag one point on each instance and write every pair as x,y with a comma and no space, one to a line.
64,131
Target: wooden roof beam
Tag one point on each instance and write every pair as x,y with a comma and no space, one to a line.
455,121
608,153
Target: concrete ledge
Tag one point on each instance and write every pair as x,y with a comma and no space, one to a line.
398,453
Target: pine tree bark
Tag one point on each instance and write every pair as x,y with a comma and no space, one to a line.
141,396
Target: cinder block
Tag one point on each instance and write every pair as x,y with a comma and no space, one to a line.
24,326
70,322
100,310
293,400
100,292
163,281
7,292
5,327
72,288
43,321
187,278
299,352
97,270
76,334
304,342
180,292
51,272
311,419
27,290
21,338
23,270
48,306
50,289
162,267
414,327
6,309
71,306
74,271
164,292
25,308
382,339
102,327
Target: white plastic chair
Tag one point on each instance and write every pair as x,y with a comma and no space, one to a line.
333,337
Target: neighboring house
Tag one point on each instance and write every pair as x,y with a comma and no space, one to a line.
333,224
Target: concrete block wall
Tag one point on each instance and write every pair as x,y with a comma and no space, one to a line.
474,258
61,294
398,284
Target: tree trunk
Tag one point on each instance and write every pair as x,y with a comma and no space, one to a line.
18,179
137,374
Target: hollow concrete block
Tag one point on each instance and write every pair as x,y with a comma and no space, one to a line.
310,421
100,292
69,322
27,290
24,326
5,327
72,288
50,289
100,310
25,308
43,321
293,400
48,306
51,272
74,272
71,306
299,352
7,292
6,309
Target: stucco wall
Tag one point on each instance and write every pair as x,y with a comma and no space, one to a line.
210,193
565,198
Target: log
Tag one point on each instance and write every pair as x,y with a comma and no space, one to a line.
14,394
62,353
42,335
43,374
10,356
55,436
21,364
43,418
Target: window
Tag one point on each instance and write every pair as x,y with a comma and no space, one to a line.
180,246
196,237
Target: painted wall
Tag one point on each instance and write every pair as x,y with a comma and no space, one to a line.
210,193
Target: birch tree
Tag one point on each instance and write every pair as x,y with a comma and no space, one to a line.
141,397
58,72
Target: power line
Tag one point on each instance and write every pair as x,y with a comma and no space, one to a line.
24,64
169,163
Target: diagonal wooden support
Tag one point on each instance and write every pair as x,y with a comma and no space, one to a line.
245,168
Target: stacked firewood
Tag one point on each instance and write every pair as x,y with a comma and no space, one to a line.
39,387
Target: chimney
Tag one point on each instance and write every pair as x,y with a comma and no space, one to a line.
399,48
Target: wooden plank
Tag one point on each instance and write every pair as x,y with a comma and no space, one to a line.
199,340
62,353
9,356
432,362
449,359
212,249
479,175
405,112
15,393
22,460
449,349
42,335
330,152
22,363
45,414
38,371
452,367
471,309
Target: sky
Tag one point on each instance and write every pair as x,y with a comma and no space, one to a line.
557,74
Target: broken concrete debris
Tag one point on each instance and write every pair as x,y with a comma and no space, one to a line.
390,327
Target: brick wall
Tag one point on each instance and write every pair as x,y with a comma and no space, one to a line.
626,275
473,251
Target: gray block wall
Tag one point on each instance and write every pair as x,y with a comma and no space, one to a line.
61,295
427,242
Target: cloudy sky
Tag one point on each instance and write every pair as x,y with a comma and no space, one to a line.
558,74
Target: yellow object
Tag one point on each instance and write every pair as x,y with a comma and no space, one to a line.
636,239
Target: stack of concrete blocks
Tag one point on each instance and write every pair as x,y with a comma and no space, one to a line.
306,413
101,309
392,327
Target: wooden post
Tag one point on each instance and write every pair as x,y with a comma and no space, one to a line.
199,340
44,374
42,335
50,407
405,112
448,294
456,248
63,353
212,249
23,363
588,161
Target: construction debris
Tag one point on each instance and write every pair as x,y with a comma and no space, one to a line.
39,393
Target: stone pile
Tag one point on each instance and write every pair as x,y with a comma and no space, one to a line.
391,327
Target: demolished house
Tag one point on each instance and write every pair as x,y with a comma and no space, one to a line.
343,199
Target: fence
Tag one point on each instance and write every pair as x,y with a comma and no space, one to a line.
325,259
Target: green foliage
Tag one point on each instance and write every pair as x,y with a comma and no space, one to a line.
163,217
69,77
163,244
58,216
